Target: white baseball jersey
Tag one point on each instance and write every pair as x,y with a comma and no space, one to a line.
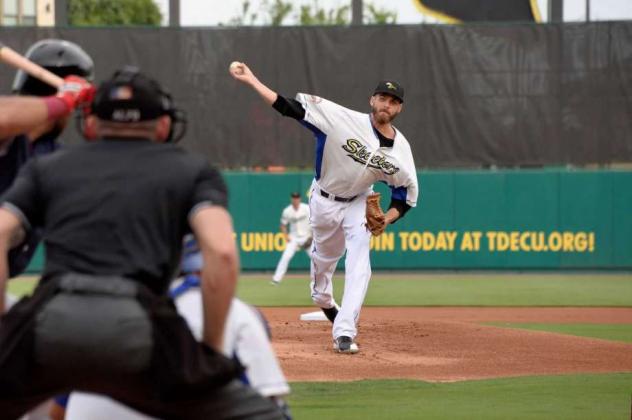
298,220
349,159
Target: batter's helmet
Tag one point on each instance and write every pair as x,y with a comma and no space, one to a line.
60,57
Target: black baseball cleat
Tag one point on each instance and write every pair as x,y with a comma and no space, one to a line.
331,313
344,344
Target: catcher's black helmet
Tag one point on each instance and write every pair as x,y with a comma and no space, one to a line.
129,96
60,57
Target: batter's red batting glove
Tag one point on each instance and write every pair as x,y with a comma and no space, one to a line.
76,92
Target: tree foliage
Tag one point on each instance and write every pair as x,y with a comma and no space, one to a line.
273,13
378,16
314,14
247,16
279,12
113,12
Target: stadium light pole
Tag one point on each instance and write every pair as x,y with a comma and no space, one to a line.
356,12
61,13
556,10
587,10
174,13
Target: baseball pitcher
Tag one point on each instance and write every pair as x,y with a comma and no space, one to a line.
353,151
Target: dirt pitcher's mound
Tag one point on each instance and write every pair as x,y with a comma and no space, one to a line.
447,344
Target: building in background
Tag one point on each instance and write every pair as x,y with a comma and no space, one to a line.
27,12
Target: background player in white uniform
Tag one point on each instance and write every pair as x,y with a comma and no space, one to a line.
296,216
353,151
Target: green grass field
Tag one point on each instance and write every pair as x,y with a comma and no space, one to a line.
538,397
614,332
458,290
489,289
607,396
22,286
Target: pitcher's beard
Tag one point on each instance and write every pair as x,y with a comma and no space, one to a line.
382,117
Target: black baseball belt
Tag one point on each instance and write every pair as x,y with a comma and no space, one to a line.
336,198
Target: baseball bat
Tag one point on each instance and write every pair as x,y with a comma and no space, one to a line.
18,61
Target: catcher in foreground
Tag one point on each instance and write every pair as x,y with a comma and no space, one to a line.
353,151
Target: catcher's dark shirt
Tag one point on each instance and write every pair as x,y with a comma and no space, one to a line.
115,207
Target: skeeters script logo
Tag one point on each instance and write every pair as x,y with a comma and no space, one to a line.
358,152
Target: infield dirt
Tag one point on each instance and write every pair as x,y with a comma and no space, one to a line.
448,344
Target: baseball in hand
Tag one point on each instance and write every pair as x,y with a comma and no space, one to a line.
236,68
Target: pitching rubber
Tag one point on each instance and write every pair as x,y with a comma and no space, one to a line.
313,316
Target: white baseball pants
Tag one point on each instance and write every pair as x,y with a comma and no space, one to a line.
290,249
337,226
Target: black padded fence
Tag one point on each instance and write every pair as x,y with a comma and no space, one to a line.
476,95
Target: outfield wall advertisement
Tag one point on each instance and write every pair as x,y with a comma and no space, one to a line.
511,219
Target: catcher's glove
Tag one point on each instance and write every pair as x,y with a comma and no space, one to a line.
375,218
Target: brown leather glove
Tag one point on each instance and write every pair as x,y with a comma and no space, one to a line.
375,218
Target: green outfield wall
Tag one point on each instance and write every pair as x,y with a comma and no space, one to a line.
509,219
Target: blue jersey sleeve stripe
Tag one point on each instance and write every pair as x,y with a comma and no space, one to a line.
399,193
62,400
320,146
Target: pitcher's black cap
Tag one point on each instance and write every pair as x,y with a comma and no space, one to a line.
390,87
